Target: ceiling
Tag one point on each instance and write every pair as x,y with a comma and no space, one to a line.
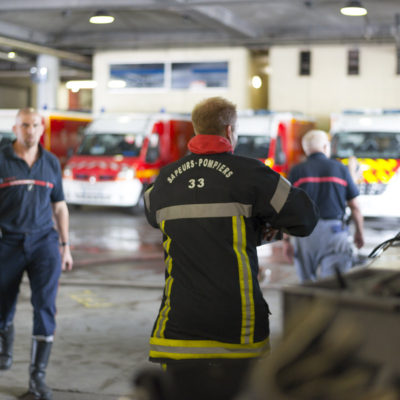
61,27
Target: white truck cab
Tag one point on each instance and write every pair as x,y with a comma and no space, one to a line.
373,138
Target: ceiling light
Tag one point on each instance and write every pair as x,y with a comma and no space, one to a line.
256,82
75,86
101,17
116,84
12,54
354,9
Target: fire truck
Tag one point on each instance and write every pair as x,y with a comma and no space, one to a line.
121,154
372,137
62,135
272,137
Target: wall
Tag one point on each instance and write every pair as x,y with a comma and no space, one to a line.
14,97
142,100
329,88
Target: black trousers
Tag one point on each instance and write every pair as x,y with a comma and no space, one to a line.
195,380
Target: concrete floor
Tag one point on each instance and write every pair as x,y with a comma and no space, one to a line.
106,308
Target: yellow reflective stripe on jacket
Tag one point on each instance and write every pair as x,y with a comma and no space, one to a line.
163,315
245,280
196,349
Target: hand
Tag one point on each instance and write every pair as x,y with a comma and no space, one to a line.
358,239
269,233
288,251
66,259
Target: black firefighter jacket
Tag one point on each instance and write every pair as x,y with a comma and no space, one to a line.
210,209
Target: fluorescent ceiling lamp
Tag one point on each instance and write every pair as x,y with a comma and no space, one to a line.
101,17
354,9
256,82
116,84
75,86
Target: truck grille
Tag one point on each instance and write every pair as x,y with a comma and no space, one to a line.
85,177
106,178
82,177
372,188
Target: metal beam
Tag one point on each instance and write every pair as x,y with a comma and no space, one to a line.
197,38
21,33
19,5
38,49
224,18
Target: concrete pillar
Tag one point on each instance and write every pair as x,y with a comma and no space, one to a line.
47,78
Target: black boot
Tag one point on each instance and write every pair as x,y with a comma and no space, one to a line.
6,347
37,370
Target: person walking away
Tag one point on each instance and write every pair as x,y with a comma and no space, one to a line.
212,207
31,195
329,183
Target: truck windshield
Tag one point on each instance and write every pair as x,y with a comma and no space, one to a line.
6,137
366,144
111,144
253,146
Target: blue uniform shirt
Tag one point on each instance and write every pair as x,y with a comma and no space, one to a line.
26,193
328,182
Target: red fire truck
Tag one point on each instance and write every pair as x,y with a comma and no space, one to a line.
121,154
272,137
63,130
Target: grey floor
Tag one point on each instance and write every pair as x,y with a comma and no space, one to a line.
106,307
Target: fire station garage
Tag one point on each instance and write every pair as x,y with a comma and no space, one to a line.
114,83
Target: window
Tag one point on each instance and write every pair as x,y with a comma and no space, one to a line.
153,149
182,75
353,62
305,63
280,156
139,75
199,75
111,144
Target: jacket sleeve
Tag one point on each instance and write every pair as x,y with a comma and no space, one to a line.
292,210
148,209
299,214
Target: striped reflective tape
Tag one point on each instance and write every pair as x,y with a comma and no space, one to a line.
281,194
147,198
211,210
320,179
26,182
185,349
245,280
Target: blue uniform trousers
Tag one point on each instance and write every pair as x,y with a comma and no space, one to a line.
327,247
38,254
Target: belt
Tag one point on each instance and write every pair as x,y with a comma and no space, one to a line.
4,232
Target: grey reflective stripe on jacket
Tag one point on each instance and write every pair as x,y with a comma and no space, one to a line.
213,210
209,210
281,194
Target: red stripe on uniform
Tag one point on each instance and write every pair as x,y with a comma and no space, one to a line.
316,179
26,182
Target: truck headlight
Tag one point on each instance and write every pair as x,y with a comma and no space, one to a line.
126,174
67,173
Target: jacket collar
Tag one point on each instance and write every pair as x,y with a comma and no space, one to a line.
209,144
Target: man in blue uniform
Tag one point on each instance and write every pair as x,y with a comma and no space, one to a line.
212,207
329,183
30,196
